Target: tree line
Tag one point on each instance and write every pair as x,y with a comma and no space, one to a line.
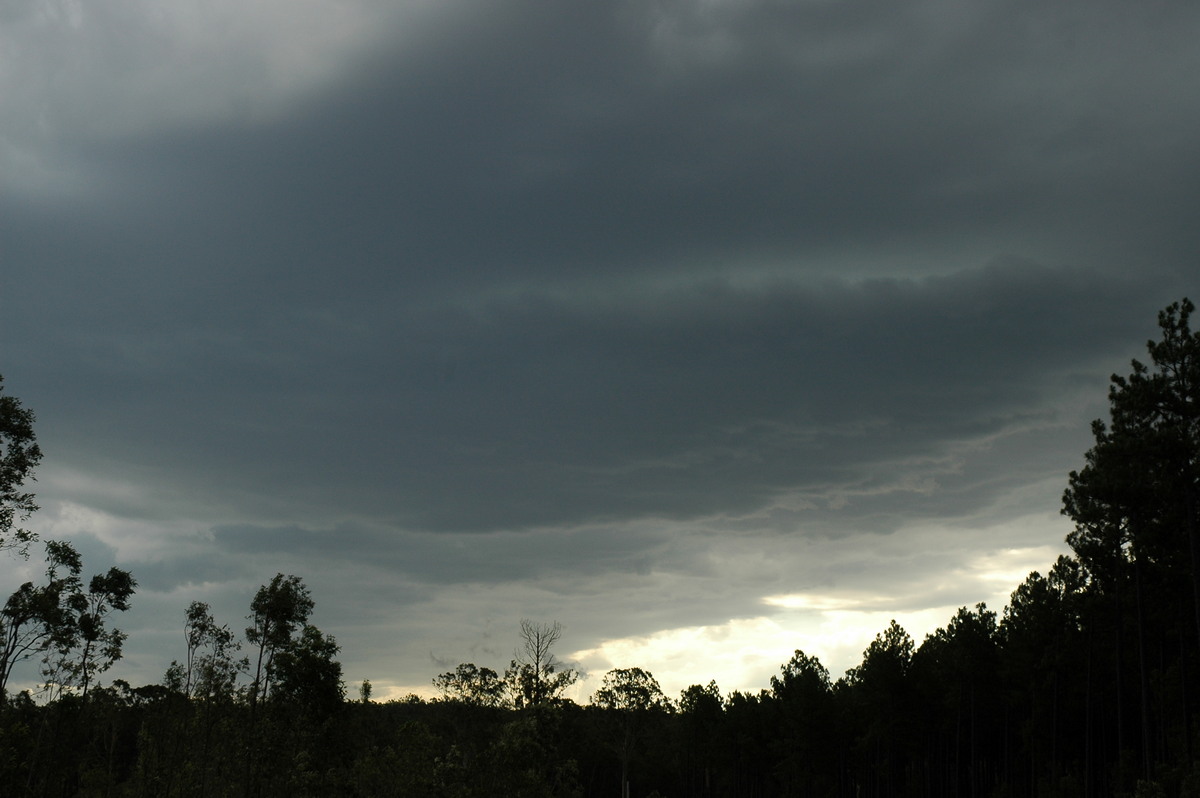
1085,684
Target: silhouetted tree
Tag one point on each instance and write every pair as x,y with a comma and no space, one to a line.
37,620
94,646
471,685
701,711
278,610
804,697
535,677
307,674
749,731
883,702
210,669
201,731
956,670
19,455
1134,505
1041,640
630,694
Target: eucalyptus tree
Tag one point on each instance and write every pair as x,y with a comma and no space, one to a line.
197,745
95,646
33,615
61,620
211,666
472,685
64,622
472,702
307,674
37,619
278,610
19,455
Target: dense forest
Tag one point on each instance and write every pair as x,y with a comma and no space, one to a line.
1084,685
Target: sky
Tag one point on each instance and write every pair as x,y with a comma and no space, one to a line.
710,329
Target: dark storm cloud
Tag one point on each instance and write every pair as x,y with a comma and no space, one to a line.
189,570
575,568
534,142
451,559
534,412
571,296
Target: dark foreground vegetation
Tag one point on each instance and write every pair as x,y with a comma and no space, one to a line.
1085,685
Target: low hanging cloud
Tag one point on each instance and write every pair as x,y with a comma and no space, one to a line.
544,411
632,314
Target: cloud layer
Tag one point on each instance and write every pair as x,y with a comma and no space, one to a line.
634,315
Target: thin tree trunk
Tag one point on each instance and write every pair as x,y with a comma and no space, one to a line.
1144,679
1189,501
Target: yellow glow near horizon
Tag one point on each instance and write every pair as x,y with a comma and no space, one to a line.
835,626
822,603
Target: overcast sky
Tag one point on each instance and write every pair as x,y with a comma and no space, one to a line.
711,329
